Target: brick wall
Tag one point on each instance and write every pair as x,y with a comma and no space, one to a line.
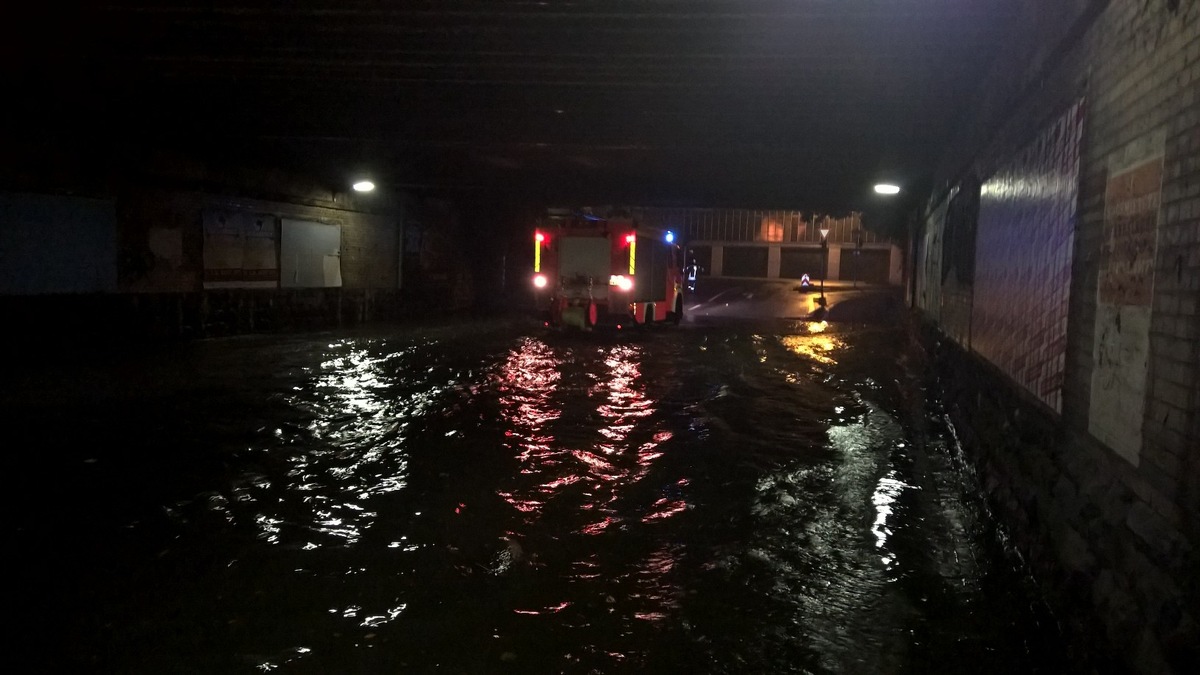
1104,498
370,253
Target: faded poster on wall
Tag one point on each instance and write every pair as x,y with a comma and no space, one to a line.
240,250
1023,252
1125,287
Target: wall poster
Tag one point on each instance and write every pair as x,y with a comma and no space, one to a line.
1125,287
240,249
311,254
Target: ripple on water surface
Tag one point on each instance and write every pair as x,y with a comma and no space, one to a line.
717,501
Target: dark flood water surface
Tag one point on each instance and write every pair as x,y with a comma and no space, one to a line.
483,497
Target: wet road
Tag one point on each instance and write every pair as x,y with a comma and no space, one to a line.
770,496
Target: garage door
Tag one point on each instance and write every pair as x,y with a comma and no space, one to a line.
745,261
870,266
796,262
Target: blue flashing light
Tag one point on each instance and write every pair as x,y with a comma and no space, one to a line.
670,237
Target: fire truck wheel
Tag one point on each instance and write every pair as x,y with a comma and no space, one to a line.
678,315
649,315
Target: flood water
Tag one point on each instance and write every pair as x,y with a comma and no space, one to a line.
487,497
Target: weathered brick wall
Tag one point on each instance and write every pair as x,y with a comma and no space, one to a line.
146,218
1104,498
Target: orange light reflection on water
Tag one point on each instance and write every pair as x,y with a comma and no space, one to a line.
816,344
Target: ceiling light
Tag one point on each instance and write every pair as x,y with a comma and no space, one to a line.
887,189
364,186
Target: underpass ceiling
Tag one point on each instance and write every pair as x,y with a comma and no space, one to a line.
755,103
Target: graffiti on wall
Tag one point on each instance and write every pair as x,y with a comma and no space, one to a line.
1125,286
1023,260
240,250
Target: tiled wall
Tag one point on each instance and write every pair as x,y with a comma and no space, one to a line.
1023,264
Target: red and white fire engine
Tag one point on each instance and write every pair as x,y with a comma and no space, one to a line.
594,270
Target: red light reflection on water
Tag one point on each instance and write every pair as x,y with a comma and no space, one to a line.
548,610
665,508
584,470
526,386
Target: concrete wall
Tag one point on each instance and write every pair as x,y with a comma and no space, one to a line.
1099,479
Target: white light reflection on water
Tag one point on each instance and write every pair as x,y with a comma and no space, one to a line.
377,620
268,528
886,493
865,445
290,656
351,451
352,379
812,545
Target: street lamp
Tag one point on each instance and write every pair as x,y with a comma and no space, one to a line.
824,261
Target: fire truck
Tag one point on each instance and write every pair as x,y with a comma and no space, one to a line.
594,271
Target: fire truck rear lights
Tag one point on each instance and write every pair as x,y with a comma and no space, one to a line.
539,237
539,280
630,238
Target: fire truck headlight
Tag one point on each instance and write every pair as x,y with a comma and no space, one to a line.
621,281
539,280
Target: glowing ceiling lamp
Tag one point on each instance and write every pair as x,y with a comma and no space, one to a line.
363,186
887,189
